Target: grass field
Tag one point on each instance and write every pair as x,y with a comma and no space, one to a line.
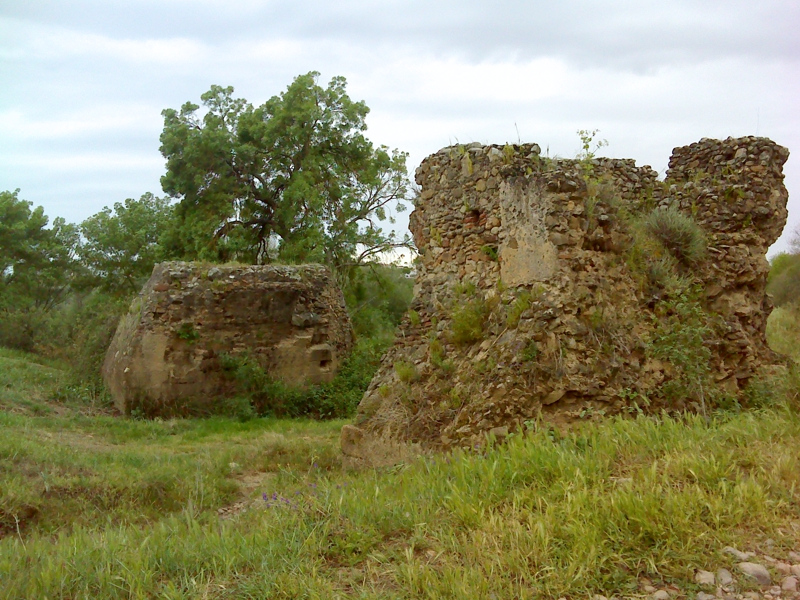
95,506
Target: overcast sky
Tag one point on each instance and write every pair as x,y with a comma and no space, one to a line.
83,82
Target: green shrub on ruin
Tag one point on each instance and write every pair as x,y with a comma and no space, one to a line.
683,330
520,304
663,244
491,252
678,233
439,358
468,321
530,352
406,372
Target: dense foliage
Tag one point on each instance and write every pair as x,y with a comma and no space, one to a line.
121,246
36,268
293,178
784,276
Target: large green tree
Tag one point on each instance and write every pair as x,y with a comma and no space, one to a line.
121,245
37,265
294,177
36,262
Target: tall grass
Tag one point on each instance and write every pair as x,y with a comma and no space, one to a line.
101,507
544,515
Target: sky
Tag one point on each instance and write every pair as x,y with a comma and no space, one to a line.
83,82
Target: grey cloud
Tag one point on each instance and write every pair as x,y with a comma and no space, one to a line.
749,48
632,34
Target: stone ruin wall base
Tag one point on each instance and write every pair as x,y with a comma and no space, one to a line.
501,226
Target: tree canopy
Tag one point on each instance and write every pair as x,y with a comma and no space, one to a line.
36,262
294,177
121,246
36,267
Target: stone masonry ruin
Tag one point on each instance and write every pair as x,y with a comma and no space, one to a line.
168,356
551,289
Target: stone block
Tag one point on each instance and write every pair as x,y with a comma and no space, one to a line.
168,356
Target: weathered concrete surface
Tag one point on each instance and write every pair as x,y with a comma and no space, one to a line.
167,356
548,250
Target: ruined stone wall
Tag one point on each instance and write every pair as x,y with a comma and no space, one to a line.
168,354
543,255
734,190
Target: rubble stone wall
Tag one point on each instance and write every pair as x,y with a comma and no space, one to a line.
168,354
543,255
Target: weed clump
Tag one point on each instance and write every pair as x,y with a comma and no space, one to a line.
679,234
530,352
406,372
520,305
468,321
439,357
470,312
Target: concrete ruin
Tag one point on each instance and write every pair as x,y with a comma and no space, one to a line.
543,293
168,355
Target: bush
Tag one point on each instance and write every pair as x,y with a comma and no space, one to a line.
680,337
467,322
678,233
22,329
260,395
406,372
82,330
77,332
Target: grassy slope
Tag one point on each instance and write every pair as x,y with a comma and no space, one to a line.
26,381
112,508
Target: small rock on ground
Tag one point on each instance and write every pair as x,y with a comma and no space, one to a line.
724,577
756,571
742,556
704,578
661,595
789,584
704,596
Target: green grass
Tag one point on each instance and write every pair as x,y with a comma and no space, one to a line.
783,330
60,472
543,515
105,507
27,381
